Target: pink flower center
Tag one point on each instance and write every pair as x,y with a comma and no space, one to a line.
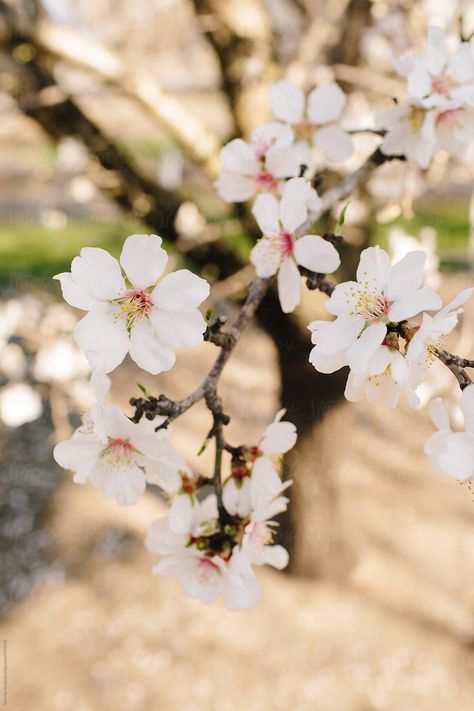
261,147
286,243
134,304
118,450
206,569
441,84
266,182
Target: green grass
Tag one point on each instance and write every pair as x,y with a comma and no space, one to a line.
34,250
448,218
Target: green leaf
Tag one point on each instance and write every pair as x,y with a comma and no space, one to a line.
341,220
203,447
143,389
208,315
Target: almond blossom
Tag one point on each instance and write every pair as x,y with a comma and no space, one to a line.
314,118
410,132
259,166
452,453
202,573
383,294
280,250
144,314
429,337
438,78
118,456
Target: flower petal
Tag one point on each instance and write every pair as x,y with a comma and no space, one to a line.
439,414
266,211
424,299
406,275
143,260
179,330
467,407
148,350
293,205
365,347
104,338
334,142
316,254
74,294
289,285
239,157
98,273
180,291
325,103
265,257
374,267
79,454
287,102
233,187
278,438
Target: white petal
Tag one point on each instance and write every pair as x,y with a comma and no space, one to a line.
265,257
339,335
419,82
180,291
283,161
326,103
276,556
289,285
439,414
374,267
425,299
334,142
365,347
178,330
147,349
316,254
467,407
236,499
181,514
266,211
74,294
406,275
293,206
79,454
327,363
437,52
287,102
239,157
343,299
161,540
98,273
233,187
125,483
458,458
279,437
105,340
143,260
272,134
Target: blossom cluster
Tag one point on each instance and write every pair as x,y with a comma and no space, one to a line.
438,111
388,327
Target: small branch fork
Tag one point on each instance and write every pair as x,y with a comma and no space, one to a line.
226,339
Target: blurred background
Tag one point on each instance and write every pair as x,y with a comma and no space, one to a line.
112,117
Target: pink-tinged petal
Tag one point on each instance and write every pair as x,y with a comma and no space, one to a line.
335,143
266,211
266,258
293,205
179,330
98,273
467,407
289,285
339,335
287,102
104,339
406,275
239,157
148,350
316,254
374,268
143,259
437,53
283,161
233,187
326,103
425,299
79,454
439,414
279,437
327,363
74,294
365,347
272,133
180,291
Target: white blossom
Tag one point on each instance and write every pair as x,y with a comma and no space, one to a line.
259,166
280,250
137,314
383,294
452,453
117,455
313,119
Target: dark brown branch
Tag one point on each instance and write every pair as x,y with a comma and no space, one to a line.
456,365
